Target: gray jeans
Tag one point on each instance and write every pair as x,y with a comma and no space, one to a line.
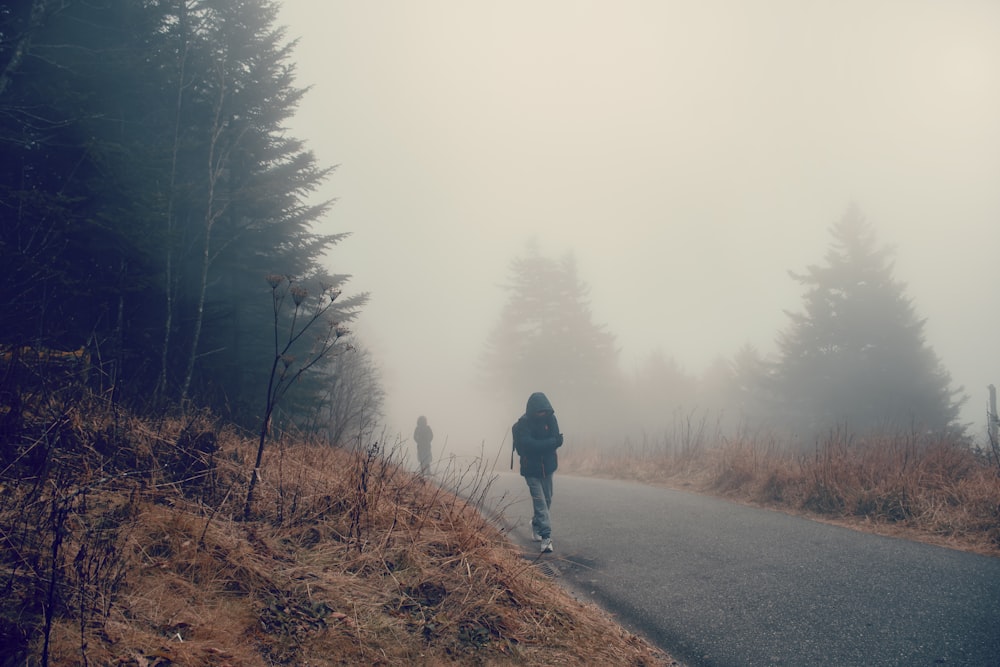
541,500
424,457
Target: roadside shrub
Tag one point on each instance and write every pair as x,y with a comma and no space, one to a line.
939,488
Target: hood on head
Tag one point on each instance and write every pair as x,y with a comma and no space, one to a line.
421,421
536,402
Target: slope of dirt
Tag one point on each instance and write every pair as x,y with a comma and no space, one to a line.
126,543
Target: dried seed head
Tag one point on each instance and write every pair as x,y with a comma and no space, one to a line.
287,360
299,294
274,279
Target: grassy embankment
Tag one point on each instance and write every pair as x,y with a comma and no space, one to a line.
124,544
934,490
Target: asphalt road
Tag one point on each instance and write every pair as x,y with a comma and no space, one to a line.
718,584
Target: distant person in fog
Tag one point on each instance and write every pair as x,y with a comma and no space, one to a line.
536,438
423,435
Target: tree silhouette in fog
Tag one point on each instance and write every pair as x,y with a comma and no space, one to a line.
149,183
662,392
546,340
855,357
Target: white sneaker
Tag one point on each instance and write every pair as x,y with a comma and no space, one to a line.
535,537
547,545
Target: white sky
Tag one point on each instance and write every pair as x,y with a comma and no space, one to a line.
689,153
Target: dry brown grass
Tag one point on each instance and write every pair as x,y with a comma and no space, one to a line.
930,489
124,545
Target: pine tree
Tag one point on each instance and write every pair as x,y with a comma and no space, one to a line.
62,129
856,357
749,390
148,186
546,340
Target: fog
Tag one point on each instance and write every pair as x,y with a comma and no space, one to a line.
688,154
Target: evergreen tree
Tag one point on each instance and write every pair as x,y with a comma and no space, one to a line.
352,400
148,186
239,209
65,81
546,340
856,356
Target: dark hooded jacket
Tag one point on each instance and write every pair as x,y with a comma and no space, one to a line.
536,438
423,434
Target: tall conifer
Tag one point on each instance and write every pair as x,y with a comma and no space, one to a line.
855,357
545,339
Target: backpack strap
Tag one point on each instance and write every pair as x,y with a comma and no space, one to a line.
513,447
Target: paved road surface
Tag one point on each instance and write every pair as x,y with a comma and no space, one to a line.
718,584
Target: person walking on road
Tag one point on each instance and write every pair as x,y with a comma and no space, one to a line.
536,438
423,435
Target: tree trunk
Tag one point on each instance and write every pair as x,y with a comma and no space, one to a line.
215,167
22,42
169,289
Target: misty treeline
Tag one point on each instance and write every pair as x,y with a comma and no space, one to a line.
852,359
148,187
